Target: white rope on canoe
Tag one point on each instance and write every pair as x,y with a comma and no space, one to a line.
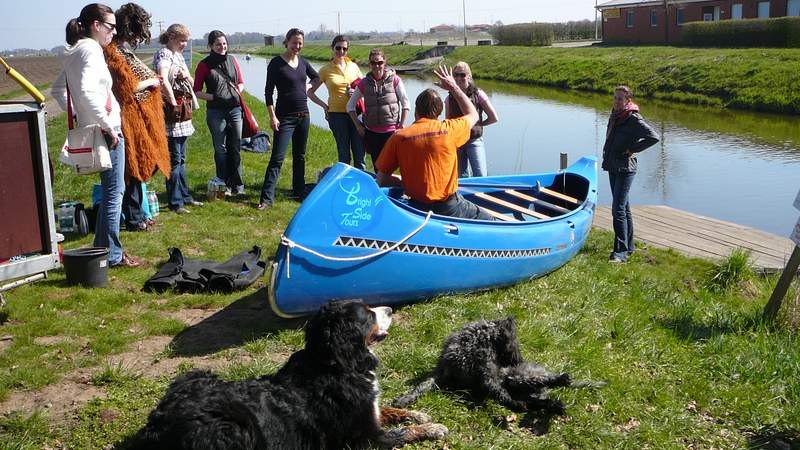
290,244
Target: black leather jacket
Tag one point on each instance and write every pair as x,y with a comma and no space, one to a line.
633,135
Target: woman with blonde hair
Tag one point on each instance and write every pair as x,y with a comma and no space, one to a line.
471,155
171,67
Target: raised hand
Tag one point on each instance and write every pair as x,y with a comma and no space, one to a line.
446,80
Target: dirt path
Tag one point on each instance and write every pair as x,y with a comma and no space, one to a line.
209,331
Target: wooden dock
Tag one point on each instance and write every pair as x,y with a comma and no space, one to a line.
702,237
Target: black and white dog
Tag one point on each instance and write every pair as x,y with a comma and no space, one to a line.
326,396
484,358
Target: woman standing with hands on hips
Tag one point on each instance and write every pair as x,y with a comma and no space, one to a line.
222,77
627,134
471,155
337,75
172,68
86,79
385,104
289,118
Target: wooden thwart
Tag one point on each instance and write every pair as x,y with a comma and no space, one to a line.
509,205
497,215
528,198
555,194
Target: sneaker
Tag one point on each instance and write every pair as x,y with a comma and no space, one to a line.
616,259
180,210
228,192
240,189
262,206
127,261
194,203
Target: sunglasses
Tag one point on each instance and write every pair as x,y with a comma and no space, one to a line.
341,49
111,26
460,75
377,63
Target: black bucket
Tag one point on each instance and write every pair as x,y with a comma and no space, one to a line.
87,266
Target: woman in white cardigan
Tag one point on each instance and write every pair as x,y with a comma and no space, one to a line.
86,76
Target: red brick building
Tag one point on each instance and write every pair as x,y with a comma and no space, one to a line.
660,21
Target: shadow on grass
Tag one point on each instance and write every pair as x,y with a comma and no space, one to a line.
245,319
773,439
689,329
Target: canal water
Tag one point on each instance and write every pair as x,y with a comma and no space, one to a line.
737,166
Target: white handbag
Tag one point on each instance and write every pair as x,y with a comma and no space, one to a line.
85,149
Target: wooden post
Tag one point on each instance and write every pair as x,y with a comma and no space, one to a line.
774,303
564,161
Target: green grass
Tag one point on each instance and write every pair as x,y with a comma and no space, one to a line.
756,79
17,93
687,365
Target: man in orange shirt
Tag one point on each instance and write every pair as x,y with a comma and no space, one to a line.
425,152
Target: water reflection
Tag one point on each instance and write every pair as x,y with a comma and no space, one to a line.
738,166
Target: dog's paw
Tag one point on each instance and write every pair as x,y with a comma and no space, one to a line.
563,380
433,431
418,416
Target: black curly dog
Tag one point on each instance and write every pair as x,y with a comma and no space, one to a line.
326,396
484,358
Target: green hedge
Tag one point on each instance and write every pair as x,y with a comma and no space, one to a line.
530,34
777,32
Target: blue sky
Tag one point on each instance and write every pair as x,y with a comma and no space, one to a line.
40,23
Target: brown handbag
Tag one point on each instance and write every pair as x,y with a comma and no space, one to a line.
182,111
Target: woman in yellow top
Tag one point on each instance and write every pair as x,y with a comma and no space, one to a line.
338,75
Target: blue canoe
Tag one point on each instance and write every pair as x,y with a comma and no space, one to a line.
351,239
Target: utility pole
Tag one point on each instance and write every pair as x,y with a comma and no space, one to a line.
160,27
595,20
464,10
339,21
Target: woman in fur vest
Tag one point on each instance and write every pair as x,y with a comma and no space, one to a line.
136,87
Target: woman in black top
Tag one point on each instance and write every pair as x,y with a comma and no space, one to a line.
288,73
626,135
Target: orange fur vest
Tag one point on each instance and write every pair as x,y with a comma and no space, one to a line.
142,116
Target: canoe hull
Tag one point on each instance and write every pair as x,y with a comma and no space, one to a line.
350,240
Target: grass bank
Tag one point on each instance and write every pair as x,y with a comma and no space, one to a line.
688,363
756,79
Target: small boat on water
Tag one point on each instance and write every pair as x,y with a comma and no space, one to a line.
247,57
351,239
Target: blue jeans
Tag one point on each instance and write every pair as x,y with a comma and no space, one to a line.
472,155
296,128
112,181
177,187
347,138
132,208
225,126
621,213
453,206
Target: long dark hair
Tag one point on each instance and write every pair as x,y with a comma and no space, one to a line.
133,25
79,27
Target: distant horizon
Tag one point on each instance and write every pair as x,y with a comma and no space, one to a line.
40,24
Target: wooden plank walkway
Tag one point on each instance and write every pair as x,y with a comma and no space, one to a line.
702,237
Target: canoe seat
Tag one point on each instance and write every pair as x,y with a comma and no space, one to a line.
511,206
536,201
557,194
